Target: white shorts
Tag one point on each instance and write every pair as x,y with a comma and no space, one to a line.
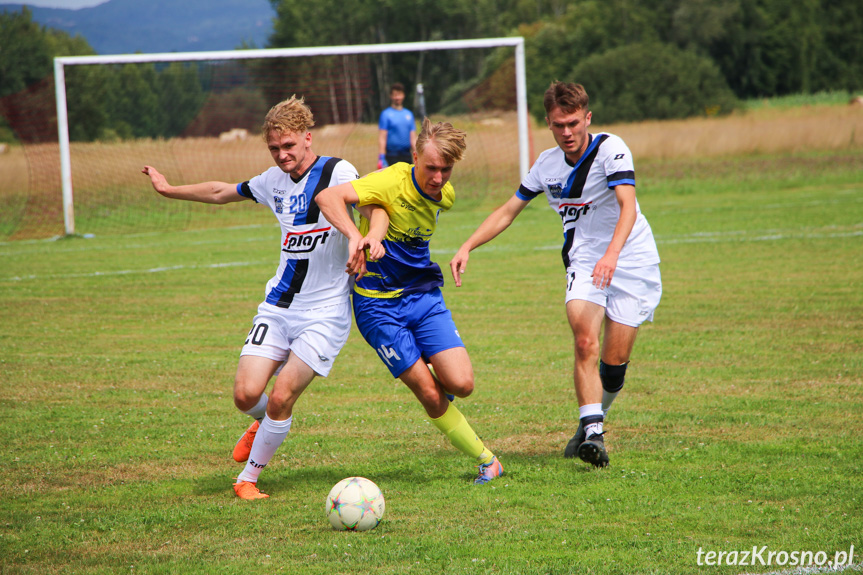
631,298
316,336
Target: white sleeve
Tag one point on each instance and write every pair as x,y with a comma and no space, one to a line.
343,173
258,187
617,163
531,186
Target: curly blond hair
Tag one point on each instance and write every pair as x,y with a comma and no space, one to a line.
288,116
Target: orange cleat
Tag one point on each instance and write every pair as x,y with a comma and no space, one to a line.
248,491
244,445
489,471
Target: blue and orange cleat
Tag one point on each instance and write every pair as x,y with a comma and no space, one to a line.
488,471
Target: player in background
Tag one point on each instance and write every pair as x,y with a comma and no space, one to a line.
305,317
398,304
397,132
610,256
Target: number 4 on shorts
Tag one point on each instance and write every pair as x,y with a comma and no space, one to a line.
386,353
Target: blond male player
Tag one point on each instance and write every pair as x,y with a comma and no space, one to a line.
305,317
398,304
612,266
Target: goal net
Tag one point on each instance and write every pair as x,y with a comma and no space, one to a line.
86,133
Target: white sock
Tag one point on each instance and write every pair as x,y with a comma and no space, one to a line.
607,399
591,409
270,436
260,409
593,429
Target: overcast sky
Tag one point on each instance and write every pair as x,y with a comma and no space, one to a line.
73,4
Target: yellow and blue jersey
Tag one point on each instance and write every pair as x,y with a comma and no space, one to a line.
407,267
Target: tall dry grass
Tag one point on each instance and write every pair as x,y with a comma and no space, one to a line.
763,131
108,183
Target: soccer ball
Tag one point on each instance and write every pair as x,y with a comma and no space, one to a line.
355,504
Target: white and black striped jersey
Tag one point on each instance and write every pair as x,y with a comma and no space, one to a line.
583,195
311,270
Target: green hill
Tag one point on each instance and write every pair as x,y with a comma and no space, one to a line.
129,26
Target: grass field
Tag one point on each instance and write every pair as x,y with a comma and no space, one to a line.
739,426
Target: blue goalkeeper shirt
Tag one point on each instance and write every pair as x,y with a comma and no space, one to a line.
399,124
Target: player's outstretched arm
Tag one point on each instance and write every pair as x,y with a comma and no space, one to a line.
206,192
494,224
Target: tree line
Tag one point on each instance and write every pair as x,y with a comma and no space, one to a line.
105,102
639,59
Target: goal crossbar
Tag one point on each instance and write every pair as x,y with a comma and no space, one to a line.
62,113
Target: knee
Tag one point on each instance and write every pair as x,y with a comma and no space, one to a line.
244,397
281,399
612,376
244,402
586,347
432,401
461,386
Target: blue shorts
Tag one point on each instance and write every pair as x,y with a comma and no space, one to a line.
404,329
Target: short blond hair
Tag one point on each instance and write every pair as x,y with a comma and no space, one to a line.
449,141
288,116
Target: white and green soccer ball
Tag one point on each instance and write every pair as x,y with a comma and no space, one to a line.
355,504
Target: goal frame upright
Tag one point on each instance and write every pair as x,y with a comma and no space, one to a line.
516,42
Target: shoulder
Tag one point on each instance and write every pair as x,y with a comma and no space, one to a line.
384,118
447,196
611,138
611,142
550,157
273,174
550,154
395,175
263,186
335,171
549,162
611,148
383,181
616,160
344,167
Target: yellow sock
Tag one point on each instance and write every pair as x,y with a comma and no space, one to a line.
461,434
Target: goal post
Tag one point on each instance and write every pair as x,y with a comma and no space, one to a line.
60,64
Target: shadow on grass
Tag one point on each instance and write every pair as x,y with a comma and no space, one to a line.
436,470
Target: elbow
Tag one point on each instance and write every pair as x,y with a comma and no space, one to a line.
322,197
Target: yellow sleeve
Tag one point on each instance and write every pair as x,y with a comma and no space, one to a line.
376,188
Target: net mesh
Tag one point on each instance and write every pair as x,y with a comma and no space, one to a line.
200,121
